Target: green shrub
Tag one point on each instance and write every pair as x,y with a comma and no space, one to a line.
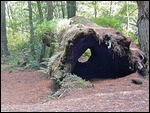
108,22
17,42
116,23
34,64
46,26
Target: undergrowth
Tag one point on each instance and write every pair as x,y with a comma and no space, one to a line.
68,82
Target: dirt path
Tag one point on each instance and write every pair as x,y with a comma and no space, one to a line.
22,91
24,87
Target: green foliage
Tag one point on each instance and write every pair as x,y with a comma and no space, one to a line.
133,37
46,26
12,61
47,30
114,22
34,65
48,62
108,22
87,53
69,81
17,42
74,81
85,56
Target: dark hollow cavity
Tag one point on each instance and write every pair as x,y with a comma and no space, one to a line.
103,63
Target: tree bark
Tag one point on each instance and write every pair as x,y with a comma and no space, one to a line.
42,54
4,48
143,29
63,9
31,28
50,10
110,9
95,8
71,9
40,11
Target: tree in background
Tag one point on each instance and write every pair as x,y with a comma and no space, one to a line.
50,17
4,48
41,20
40,11
143,28
31,27
63,9
50,10
95,8
71,9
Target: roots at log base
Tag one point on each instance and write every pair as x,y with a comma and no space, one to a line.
112,54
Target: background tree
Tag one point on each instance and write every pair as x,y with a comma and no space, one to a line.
50,17
4,48
63,9
95,8
41,20
31,27
143,28
50,10
40,11
71,9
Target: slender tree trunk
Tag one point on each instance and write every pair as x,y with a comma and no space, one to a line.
4,48
95,11
110,10
143,28
127,14
8,11
50,10
42,55
71,8
63,9
50,17
31,27
40,11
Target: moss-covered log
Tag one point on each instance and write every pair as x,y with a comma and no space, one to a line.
112,54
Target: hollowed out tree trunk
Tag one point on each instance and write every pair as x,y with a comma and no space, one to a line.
112,54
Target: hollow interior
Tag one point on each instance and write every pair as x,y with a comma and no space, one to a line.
102,63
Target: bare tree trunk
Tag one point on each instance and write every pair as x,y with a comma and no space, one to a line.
110,10
40,11
127,14
43,45
4,48
143,28
63,9
50,10
50,17
95,11
31,27
8,11
71,8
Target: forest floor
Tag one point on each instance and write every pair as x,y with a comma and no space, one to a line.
25,90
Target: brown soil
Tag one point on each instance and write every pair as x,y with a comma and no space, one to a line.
24,90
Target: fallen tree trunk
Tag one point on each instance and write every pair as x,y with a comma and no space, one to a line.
112,54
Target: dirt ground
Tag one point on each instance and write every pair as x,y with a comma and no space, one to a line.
24,90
